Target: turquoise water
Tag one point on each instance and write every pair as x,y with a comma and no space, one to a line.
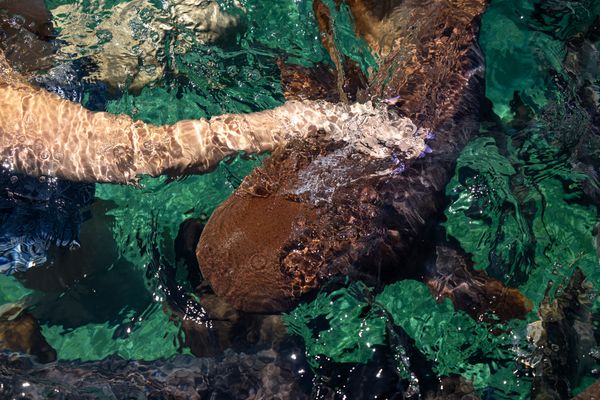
516,204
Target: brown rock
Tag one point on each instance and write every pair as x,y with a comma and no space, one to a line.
474,292
25,27
227,328
21,333
36,17
565,342
453,388
350,82
591,393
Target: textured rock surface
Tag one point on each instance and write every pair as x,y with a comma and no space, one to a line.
24,29
340,212
473,291
233,376
129,45
20,332
564,339
231,329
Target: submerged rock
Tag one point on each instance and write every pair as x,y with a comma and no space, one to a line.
472,291
20,332
25,28
302,83
228,329
128,46
233,376
591,393
564,340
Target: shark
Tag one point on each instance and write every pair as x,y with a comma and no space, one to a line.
355,181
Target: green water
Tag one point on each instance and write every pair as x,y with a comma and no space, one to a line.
524,227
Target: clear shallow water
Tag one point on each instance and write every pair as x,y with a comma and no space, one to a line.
528,219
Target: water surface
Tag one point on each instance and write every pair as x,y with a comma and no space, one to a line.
516,204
